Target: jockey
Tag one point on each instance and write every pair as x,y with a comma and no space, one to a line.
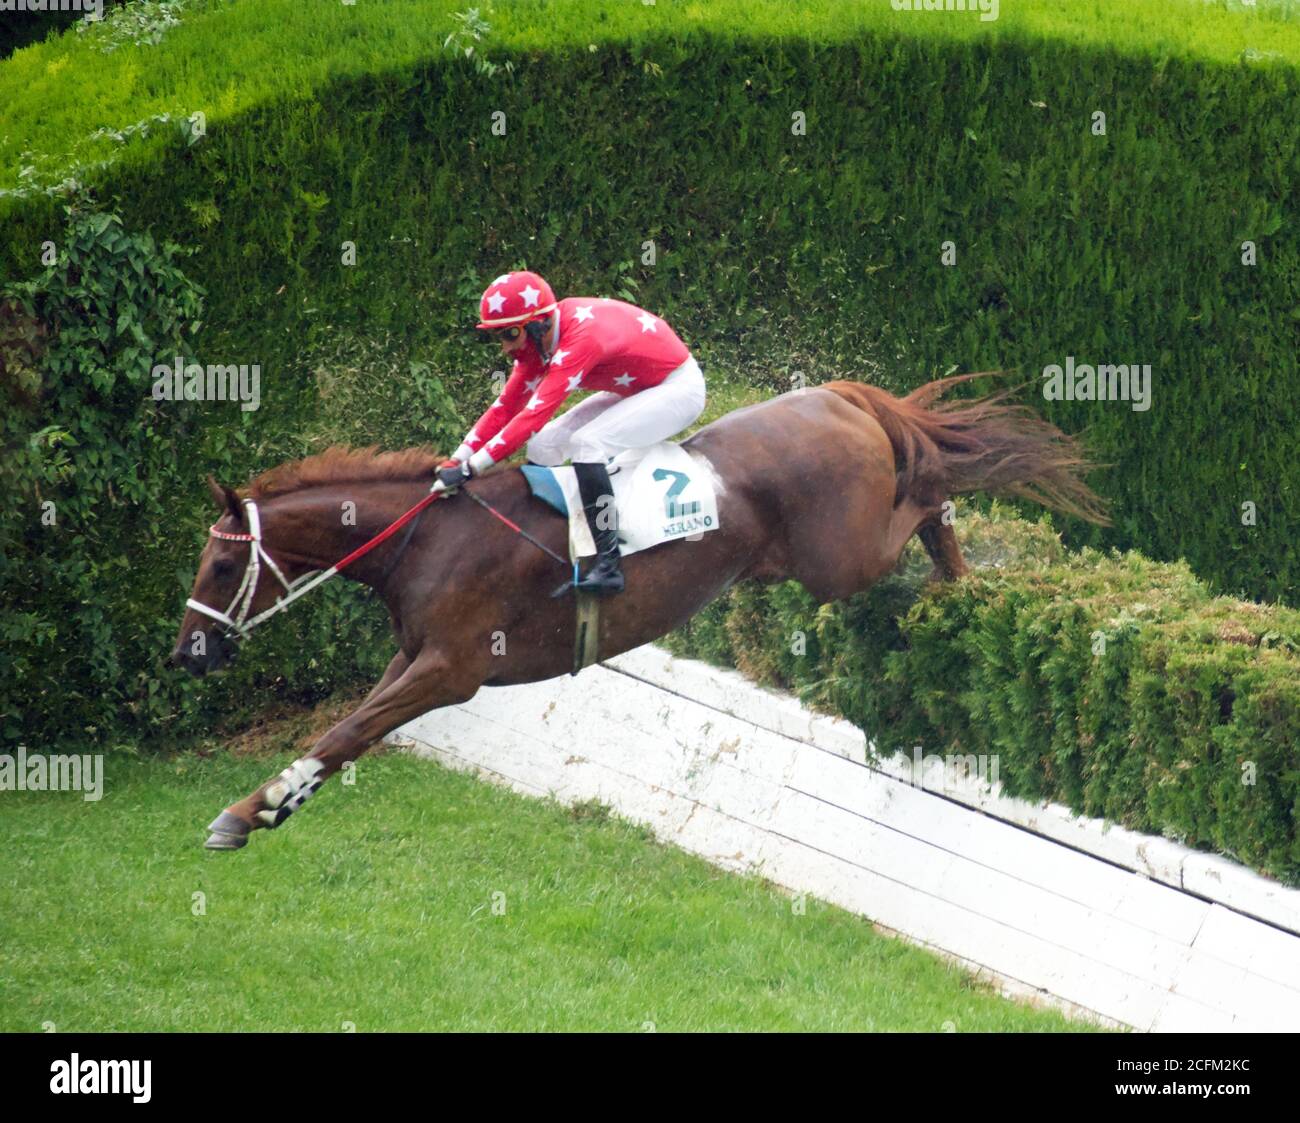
650,388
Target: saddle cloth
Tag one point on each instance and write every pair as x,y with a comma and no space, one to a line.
661,493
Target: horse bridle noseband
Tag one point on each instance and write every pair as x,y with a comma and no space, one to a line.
235,618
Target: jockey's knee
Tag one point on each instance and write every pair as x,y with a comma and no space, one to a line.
588,452
694,400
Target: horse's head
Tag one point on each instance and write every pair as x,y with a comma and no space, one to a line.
232,585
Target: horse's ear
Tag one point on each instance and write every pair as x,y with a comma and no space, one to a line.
226,499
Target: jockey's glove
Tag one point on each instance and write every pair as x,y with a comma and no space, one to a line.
455,475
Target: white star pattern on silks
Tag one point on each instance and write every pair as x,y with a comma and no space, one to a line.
583,313
575,380
530,296
559,357
497,440
501,280
496,302
531,384
646,321
535,402
624,379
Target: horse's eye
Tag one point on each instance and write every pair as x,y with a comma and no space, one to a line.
223,567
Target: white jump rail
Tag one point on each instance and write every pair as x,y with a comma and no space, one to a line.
1131,929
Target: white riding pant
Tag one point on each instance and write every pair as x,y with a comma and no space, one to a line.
605,424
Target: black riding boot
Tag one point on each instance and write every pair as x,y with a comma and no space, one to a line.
606,576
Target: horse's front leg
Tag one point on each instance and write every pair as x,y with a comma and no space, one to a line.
426,684
396,668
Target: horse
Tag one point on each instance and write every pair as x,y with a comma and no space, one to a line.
823,485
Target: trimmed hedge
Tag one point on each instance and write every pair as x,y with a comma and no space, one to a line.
1113,684
777,253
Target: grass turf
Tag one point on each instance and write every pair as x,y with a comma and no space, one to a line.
374,907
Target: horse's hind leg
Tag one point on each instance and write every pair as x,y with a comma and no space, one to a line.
426,684
940,542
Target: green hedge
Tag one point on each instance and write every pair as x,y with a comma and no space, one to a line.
777,254
1113,684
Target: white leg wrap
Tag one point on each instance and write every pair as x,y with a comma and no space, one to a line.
285,795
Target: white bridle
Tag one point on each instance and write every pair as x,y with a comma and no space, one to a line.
236,615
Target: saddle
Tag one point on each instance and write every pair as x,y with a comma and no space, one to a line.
661,493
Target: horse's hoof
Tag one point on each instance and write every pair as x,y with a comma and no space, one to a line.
229,832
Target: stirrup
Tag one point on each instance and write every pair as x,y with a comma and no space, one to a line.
608,583
605,577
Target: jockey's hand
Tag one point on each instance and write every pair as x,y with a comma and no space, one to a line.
455,475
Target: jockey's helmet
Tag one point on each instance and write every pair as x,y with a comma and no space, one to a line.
513,299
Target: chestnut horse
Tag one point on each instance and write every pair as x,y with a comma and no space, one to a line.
823,485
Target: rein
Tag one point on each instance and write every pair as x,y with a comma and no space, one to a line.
517,529
236,615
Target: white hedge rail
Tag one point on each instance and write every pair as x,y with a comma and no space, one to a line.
1125,928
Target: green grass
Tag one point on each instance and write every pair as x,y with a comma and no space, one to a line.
374,906
231,55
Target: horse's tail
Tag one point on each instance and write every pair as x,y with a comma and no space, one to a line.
947,448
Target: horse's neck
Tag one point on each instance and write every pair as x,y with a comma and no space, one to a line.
317,527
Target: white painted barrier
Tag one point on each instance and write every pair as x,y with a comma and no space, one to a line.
1135,930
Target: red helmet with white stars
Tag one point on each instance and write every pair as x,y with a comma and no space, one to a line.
515,298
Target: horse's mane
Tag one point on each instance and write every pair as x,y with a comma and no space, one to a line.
339,464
